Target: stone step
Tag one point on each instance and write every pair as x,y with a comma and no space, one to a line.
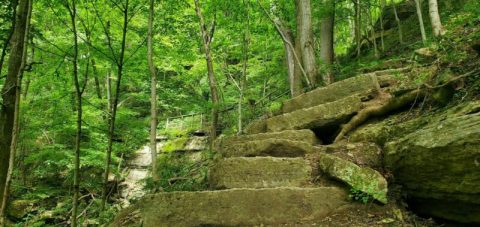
268,147
332,113
242,207
260,172
306,136
361,85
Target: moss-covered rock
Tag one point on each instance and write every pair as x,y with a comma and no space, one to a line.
18,209
260,172
257,126
441,161
307,136
360,85
268,147
363,179
333,113
242,207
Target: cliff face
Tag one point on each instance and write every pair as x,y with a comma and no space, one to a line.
435,158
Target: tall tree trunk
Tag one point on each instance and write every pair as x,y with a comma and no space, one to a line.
326,41
294,77
382,29
9,37
372,30
114,104
292,54
7,111
435,18
305,36
153,96
98,89
420,20
207,39
399,23
78,97
243,80
358,28
25,26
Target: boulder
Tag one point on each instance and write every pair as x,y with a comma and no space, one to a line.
333,113
242,207
359,178
297,135
362,85
441,162
18,209
268,147
260,172
196,143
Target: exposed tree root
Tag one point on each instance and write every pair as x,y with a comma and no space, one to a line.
385,103
380,106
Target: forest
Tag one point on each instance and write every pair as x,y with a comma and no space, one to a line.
263,90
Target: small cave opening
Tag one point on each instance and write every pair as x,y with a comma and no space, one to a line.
328,133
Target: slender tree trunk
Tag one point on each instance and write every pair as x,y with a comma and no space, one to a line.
153,96
420,20
382,29
9,97
78,97
9,37
305,35
243,80
294,77
372,31
207,39
293,56
358,28
326,41
98,89
435,18
399,23
114,105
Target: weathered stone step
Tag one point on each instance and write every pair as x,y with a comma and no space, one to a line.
268,147
306,136
242,207
316,117
359,85
260,172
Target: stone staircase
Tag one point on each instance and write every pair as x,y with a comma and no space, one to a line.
281,172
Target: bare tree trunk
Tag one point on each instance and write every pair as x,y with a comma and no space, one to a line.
399,24
358,24
153,96
243,80
326,41
207,39
114,104
372,30
9,95
98,89
9,37
382,29
305,37
435,18
293,56
78,94
420,20
294,78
